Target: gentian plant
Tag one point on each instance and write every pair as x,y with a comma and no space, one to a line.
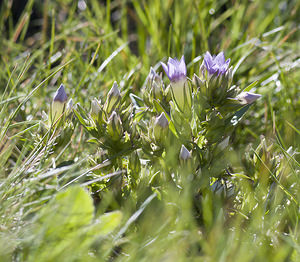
176,128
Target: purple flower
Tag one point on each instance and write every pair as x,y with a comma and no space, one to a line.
216,64
175,70
60,95
58,103
247,97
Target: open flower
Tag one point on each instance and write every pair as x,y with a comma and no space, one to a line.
176,72
216,64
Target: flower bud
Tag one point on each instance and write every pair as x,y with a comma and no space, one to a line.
184,154
58,103
168,94
246,98
95,108
114,126
155,84
113,99
198,81
161,125
185,159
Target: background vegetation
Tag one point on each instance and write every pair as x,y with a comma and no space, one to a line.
58,201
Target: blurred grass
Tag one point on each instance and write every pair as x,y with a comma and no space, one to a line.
87,49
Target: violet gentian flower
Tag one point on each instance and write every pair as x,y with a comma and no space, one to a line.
60,94
58,103
247,97
176,72
216,64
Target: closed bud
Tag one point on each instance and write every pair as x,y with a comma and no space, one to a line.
58,103
114,126
246,98
167,94
184,154
155,84
198,81
95,108
161,127
185,159
113,99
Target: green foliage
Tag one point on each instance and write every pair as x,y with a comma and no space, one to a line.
65,228
110,181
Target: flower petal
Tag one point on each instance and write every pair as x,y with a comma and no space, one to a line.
182,66
164,66
220,59
208,60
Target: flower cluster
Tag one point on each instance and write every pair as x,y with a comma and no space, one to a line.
214,82
177,121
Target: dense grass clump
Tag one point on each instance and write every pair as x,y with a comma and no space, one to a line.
138,157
